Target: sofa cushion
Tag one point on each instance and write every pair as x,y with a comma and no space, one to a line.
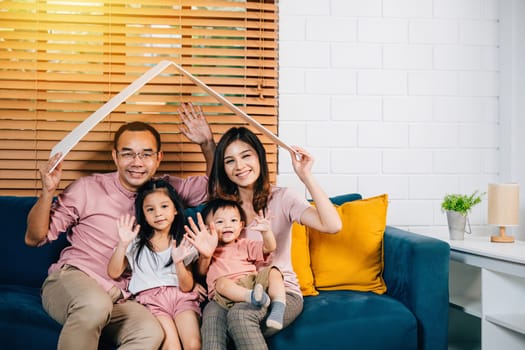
191,212
350,320
24,323
15,267
352,259
301,250
301,260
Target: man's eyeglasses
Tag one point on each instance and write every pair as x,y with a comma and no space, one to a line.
129,156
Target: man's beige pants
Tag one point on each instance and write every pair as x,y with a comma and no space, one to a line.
88,313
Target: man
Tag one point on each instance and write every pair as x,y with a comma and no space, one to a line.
78,293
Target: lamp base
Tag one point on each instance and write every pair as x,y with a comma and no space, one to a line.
502,239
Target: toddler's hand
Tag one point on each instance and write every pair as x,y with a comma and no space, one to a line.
262,224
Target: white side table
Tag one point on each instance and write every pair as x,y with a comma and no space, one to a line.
487,281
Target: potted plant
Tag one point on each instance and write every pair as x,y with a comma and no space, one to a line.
457,207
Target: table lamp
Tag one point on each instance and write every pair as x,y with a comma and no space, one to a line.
503,209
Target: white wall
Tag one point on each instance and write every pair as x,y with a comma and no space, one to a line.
400,97
512,101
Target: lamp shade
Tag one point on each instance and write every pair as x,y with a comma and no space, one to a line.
503,204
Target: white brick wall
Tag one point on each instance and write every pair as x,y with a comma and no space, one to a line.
393,96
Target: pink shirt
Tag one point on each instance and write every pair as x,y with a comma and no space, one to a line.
285,206
234,261
88,210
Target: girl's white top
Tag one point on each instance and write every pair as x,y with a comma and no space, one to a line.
152,272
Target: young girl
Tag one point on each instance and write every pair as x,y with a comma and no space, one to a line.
240,173
160,261
232,275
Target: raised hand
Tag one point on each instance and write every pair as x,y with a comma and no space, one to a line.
302,165
179,253
126,231
203,240
50,180
262,224
195,127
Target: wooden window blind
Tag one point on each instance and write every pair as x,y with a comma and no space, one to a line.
62,60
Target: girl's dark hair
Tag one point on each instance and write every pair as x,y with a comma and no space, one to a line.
136,126
220,186
219,203
146,231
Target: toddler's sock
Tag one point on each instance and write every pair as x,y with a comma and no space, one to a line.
276,315
258,296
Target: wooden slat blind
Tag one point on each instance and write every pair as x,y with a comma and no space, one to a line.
62,60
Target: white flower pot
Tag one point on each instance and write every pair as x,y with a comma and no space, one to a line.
456,225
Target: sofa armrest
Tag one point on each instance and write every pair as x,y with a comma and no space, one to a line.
416,273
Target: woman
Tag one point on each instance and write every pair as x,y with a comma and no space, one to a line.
240,173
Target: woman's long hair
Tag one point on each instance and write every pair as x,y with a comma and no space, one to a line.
220,186
146,231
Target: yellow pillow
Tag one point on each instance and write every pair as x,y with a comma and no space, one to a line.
301,260
352,259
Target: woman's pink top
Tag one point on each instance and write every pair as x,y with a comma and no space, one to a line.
284,207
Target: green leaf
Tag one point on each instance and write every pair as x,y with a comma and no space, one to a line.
460,202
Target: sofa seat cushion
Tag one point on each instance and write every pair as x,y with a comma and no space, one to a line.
23,322
353,320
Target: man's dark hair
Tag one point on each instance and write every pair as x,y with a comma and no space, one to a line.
136,126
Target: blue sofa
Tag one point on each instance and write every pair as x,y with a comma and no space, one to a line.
413,314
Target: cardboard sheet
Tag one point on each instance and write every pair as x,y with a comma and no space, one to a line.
71,139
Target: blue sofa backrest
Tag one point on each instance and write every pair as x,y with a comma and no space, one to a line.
24,265
19,263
